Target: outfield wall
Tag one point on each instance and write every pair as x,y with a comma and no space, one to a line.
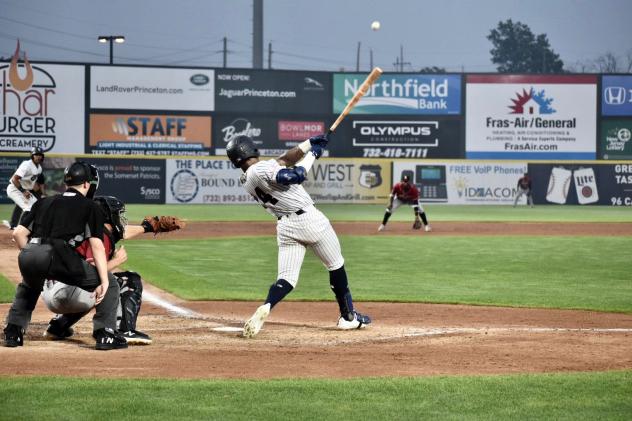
213,180
158,134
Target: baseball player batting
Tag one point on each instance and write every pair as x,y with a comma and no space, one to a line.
405,193
276,185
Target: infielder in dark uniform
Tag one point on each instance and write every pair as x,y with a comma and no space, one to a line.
276,185
405,193
524,188
57,225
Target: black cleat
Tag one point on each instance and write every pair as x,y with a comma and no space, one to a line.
57,332
108,339
13,336
135,337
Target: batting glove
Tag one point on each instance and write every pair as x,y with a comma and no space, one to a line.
317,150
320,140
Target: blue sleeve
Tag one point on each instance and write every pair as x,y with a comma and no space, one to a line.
287,176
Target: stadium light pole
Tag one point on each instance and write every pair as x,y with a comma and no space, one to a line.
119,39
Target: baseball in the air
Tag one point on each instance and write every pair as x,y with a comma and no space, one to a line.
375,25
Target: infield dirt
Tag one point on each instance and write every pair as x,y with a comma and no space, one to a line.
299,339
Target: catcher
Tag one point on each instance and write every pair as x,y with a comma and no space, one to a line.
406,193
72,303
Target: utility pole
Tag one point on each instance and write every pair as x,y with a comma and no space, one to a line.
257,34
358,57
371,59
399,61
269,55
225,51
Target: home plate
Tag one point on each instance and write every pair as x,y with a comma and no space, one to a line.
228,329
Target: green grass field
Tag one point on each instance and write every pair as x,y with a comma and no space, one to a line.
583,396
7,290
435,212
527,271
555,272
375,212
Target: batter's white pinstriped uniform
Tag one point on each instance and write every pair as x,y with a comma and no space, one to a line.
295,232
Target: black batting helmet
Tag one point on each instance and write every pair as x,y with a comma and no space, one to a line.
241,148
36,150
80,172
114,211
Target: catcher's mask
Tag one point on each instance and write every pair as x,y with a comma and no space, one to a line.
241,148
114,211
78,173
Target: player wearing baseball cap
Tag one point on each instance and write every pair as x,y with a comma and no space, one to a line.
276,185
405,193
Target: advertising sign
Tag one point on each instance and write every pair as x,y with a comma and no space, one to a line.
466,183
132,181
204,181
615,141
531,117
262,91
142,134
41,105
400,94
272,136
8,165
616,95
582,184
397,137
349,181
149,88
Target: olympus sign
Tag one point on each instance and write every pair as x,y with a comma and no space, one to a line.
395,133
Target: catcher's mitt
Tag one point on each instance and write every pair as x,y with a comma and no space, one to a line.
417,224
157,224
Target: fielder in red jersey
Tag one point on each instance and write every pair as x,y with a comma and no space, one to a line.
406,193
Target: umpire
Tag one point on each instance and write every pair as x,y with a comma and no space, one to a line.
57,225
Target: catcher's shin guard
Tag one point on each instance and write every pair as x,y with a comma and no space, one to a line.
131,299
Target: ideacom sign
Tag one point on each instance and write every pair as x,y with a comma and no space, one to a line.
41,105
262,91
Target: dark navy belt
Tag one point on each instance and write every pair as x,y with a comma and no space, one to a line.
298,212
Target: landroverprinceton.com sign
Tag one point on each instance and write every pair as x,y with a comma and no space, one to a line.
144,88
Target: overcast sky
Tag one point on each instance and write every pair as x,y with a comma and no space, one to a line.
316,34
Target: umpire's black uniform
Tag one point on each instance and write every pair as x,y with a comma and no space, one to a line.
58,224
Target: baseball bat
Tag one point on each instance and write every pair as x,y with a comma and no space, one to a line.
364,88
